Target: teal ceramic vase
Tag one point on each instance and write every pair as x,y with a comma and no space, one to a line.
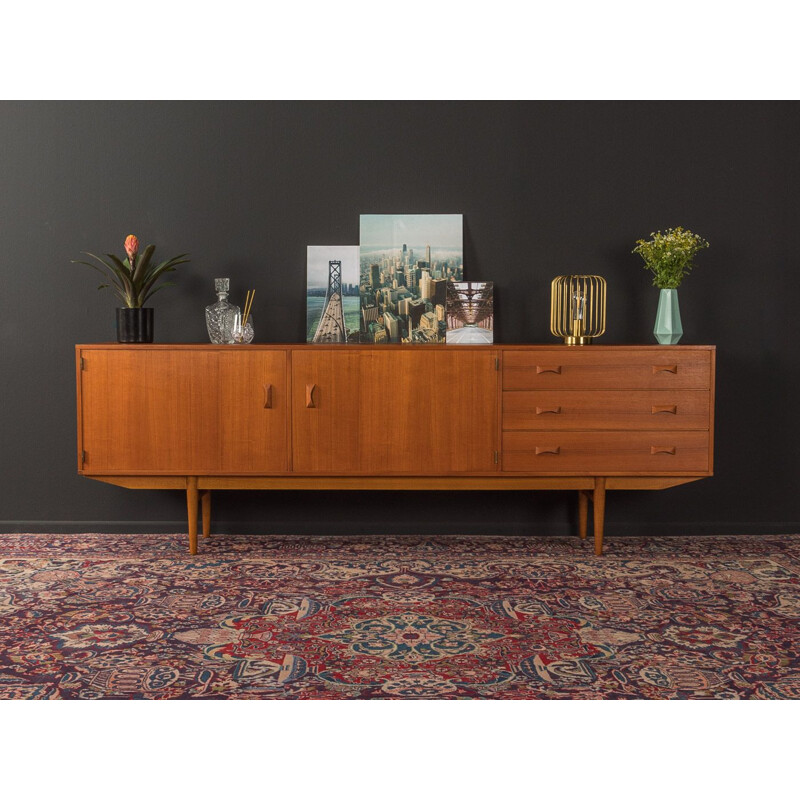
668,329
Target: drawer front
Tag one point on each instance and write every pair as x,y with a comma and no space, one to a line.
606,410
606,369
605,453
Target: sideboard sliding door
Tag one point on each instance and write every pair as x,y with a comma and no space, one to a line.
413,411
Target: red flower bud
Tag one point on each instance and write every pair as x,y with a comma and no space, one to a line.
131,247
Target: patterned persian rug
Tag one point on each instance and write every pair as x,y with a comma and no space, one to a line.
108,616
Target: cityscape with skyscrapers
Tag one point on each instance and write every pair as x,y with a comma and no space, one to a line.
406,261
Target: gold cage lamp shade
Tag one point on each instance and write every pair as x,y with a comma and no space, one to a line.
578,308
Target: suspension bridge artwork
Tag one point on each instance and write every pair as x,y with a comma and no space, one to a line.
332,296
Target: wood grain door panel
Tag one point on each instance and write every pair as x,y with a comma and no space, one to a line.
252,412
149,411
325,411
605,453
394,412
427,412
465,410
582,368
606,410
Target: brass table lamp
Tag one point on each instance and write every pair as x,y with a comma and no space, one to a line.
578,308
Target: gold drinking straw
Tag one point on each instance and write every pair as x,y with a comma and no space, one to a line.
248,305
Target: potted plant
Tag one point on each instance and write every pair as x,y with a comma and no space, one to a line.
134,280
670,257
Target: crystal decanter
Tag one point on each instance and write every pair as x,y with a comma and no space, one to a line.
219,316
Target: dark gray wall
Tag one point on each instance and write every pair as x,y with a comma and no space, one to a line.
545,189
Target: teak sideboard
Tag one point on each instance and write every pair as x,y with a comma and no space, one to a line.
200,417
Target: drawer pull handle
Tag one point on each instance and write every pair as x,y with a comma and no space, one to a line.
540,370
673,368
543,451
554,410
310,395
267,395
664,410
667,451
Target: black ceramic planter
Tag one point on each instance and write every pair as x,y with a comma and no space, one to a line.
135,325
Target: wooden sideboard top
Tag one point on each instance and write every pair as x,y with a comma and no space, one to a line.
421,347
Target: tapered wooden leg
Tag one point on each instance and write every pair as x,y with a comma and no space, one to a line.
205,504
583,512
191,506
599,498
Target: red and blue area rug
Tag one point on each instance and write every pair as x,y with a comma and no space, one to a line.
108,616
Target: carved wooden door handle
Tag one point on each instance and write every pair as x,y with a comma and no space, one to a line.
540,370
554,451
310,395
553,410
267,395
664,410
673,368
667,451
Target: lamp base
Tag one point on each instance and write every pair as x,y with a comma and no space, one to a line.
573,340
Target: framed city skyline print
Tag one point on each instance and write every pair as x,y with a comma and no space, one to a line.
332,297
470,313
405,263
